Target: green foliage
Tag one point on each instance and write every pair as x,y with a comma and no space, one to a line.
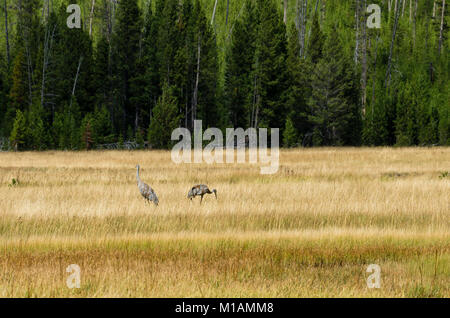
239,81
247,72
19,130
125,51
37,132
290,134
165,119
140,139
270,67
66,127
316,42
332,103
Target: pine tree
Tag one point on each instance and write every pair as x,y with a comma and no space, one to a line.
206,53
100,125
332,102
316,42
66,127
146,88
239,58
74,54
126,52
298,90
19,91
270,68
36,132
101,80
19,131
290,134
165,120
405,124
3,105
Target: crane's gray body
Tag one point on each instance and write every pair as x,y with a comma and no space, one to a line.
145,190
200,190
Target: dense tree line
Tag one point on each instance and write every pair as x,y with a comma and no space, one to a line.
136,70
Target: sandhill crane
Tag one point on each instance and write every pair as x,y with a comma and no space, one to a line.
200,190
146,191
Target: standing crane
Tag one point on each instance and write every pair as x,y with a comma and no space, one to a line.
200,190
146,191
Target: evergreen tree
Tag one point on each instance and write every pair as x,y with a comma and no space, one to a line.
18,95
239,58
36,132
316,41
74,54
146,88
298,90
290,134
406,117
19,131
333,103
270,68
165,120
100,126
101,80
204,37
125,52
66,127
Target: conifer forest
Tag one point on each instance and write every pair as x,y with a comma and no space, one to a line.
135,70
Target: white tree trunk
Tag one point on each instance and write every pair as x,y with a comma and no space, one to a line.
388,71
285,11
91,17
441,35
8,56
214,13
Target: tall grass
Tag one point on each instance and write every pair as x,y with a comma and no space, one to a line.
309,230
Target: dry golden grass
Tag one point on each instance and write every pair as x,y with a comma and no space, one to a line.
309,230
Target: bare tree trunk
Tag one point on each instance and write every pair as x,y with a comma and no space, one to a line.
364,66
214,13
374,73
285,11
30,74
388,71
315,12
76,79
8,55
255,106
195,95
301,24
434,9
414,24
403,9
442,26
228,8
91,17
46,58
357,31
410,11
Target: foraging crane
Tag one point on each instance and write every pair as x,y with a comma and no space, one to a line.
200,190
146,191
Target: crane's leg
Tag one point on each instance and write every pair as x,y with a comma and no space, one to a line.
201,198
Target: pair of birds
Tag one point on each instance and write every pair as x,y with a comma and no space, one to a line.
149,194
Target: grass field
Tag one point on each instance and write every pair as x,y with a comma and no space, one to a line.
310,230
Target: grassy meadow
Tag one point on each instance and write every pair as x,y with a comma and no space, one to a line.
310,230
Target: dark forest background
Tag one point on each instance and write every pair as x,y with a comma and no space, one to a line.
138,69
